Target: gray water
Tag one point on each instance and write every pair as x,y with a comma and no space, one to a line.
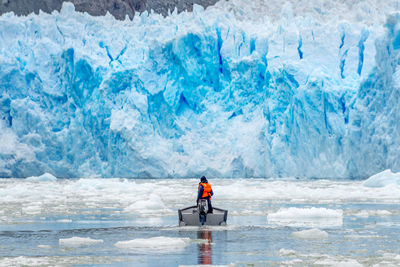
367,233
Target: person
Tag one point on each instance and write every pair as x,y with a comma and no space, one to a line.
204,191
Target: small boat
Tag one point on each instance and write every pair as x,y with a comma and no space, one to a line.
198,215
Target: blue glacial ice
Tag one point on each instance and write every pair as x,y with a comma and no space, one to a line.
382,179
308,89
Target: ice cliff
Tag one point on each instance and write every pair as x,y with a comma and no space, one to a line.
241,89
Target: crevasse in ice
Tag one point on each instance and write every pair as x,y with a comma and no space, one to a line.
259,89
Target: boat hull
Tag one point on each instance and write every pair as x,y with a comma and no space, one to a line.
190,217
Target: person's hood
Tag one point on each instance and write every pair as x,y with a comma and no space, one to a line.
203,180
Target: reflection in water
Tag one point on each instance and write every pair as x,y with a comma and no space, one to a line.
205,250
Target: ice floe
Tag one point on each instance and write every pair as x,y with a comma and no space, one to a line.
311,234
383,179
78,241
306,217
159,244
42,178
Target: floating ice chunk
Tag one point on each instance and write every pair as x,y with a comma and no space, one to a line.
367,213
294,262
53,260
64,221
78,241
382,179
311,234
42,178
23,261
150,221
391,256
362,213
380,212
44,246
160,244
364,236
307,217
331,262
287,252
33,209
153,204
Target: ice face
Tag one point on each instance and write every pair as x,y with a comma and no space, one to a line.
305,89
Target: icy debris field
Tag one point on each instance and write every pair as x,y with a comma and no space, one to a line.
49,221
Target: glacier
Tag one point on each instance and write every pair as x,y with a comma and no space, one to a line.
305,89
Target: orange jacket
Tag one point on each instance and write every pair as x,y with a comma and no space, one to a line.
206,191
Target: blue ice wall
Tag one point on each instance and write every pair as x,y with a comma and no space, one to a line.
202,93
